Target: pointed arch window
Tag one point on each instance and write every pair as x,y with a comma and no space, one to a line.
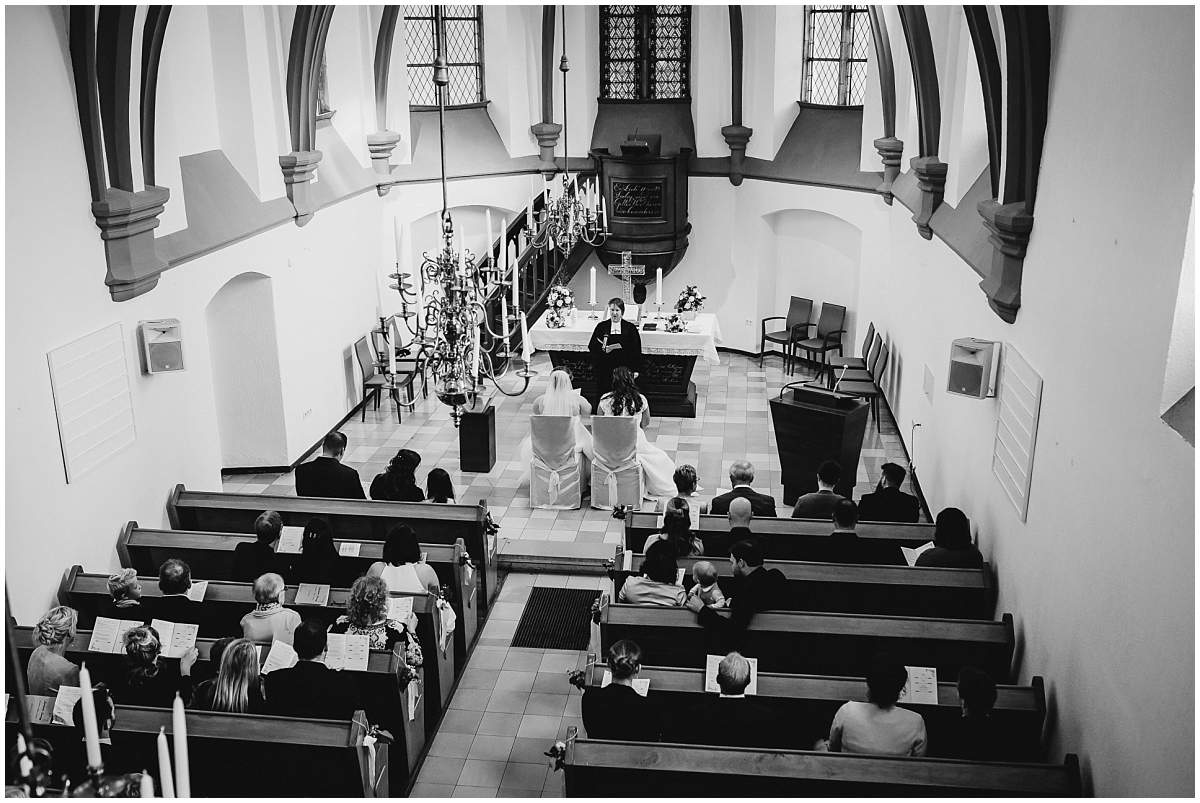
645,52
462,33
836,42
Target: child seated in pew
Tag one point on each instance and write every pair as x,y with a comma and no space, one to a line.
126,591
704,574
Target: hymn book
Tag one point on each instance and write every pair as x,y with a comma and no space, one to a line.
349,549
711,664
281,656
640,685
197,591
400,608
176,637
911,554
40,707
312,594
64,704
108,635
290,540
921,687
347,651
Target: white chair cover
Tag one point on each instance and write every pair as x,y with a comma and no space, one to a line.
616,472
554,472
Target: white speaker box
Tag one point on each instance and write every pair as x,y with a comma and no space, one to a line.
973,367
160,344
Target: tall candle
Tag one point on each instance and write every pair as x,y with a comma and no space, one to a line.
166,785
503,314
529,214
475,357
462,254
592,295
391,350
24,764
147,785
398,238
487,225
603,213
658,281
183,784
91,731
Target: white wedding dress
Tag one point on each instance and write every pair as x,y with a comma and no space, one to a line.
658,468
583,440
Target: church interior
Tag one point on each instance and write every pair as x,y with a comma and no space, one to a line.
578,285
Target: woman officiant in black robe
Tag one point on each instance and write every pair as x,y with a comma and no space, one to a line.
615,342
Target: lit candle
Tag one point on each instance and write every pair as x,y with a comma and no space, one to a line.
503,314
147,785
398,238
592,295
91,731
658,281
487,225
165,783
183,783
391,350
475,357
529,214
603,213
25,764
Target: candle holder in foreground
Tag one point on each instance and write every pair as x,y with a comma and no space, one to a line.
99,784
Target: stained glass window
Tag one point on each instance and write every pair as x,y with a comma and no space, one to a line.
462,32
645,52
836,39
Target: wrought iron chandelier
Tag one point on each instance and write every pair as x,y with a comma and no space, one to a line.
574,213
453,325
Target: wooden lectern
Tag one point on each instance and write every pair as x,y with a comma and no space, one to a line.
813,425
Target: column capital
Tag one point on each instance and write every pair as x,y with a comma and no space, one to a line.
931,181
298,169
381,144
1010,226
547,137
890,150
127,221
736,137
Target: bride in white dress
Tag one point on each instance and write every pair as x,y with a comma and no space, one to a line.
560,399
625,399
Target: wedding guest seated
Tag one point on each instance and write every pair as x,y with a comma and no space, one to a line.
318,561
677,530
844,544
617,711
704,575
48,668
740,516
741,477
401,568
889,503
366,615
326,476
174,580
819,504
206,673
238,688
311,689
754,589
952,547
438,487
656,585
559,399
976,737
148,680
399,482
251,560
626,400
125,591
878,726
269,621
102,702
731,719
687,486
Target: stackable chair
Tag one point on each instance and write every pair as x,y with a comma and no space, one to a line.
839,370
867,384
410,358
830,328
373,382
869,348
795,327
556,471
616,472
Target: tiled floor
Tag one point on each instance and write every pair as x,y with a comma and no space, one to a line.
732,421
510,706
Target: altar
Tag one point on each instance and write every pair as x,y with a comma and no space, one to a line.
668,358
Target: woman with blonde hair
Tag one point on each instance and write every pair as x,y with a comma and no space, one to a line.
125,591
238,687
48,667
148,680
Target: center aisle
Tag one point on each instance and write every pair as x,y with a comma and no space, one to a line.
509,708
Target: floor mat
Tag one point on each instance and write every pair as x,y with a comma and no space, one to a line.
556,619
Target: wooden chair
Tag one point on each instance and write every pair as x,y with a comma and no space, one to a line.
796,324
411,358
870,346
373,382
828,338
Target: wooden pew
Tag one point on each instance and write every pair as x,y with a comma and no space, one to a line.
351,520
815,643
808,703
385,705
210,556
607,769
846,588
226,603
792,539
240,755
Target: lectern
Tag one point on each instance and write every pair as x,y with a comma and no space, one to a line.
813,425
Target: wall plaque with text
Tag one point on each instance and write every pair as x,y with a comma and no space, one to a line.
637,199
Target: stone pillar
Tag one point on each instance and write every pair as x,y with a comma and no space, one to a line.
547,137
127,221
1010,226
736,137
889,149
298,168
931,181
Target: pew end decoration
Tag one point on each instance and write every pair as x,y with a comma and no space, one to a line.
560,305
690,301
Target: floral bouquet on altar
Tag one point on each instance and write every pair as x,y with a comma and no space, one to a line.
690,301
560,306
675,323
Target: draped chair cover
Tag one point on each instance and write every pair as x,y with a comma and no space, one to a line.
616,472
555,474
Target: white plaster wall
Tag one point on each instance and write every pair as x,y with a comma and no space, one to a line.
711,78
1181,358
350,78
514,33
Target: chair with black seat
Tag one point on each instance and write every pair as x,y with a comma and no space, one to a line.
869,349
373,382
869,388
410,357
406,368
796,323
830,328
868,373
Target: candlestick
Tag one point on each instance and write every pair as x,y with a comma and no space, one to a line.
658,281
147,785
91,731
592,294
529,215
183,784
165,784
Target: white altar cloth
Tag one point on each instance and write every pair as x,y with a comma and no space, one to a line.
699,340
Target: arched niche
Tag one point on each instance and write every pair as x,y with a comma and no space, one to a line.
244,355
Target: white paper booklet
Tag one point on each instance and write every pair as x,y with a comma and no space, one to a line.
712,662
312,594
198,590
640,685
177,637
343,651
349,549
41,708
911,554
64,704
281,656
108,635
921,687
399,608
290,540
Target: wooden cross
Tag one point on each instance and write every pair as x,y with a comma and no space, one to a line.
627,270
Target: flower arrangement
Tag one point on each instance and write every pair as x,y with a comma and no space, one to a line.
690,300
560,303
675,323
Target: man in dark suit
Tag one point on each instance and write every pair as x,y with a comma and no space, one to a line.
732,719
740,515
250,561
741,477
615,343
820,503
844,543
754,589
174,580
311,689
889,503
326,476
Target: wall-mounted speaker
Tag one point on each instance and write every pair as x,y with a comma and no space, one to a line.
160,344
973,367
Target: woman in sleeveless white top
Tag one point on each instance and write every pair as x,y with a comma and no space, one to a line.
401,568
657,467
560,399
